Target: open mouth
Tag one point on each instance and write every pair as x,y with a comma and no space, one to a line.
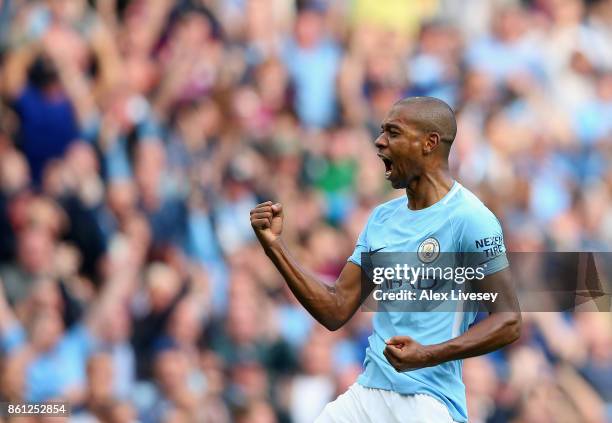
388,165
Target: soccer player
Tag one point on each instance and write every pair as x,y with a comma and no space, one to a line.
412,369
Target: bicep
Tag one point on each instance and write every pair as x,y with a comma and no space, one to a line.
350,288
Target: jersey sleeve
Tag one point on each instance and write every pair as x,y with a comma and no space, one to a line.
361,246
481,242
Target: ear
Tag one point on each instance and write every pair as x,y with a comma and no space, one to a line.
432,142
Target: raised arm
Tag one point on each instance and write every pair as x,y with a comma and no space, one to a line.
500,328
16,65
330,305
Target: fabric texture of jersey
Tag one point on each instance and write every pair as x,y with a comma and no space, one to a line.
459,222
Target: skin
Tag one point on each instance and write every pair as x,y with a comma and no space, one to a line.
415,140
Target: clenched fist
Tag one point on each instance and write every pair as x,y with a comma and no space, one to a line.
267,222
404,353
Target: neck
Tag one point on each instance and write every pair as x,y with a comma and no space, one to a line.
428,189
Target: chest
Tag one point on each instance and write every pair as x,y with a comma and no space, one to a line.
426,235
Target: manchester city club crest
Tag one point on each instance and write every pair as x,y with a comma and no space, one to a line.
428,250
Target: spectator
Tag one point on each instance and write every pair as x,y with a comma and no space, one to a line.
135,137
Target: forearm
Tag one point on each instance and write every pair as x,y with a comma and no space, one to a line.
496,331
108,58
114,295
77,88
322,301
16,69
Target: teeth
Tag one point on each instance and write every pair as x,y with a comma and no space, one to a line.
388,166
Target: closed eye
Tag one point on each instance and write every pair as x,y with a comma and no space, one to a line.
391,133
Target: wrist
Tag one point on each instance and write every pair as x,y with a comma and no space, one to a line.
433,355
273,246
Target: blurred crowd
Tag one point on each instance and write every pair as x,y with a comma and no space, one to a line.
135,136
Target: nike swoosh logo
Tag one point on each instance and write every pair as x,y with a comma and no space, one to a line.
377,250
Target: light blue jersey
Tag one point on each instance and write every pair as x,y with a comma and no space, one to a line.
459,222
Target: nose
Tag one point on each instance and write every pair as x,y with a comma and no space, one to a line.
381,142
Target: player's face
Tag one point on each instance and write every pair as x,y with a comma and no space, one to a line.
400,148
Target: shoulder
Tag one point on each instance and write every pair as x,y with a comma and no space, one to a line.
385,210
473,223
469,210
